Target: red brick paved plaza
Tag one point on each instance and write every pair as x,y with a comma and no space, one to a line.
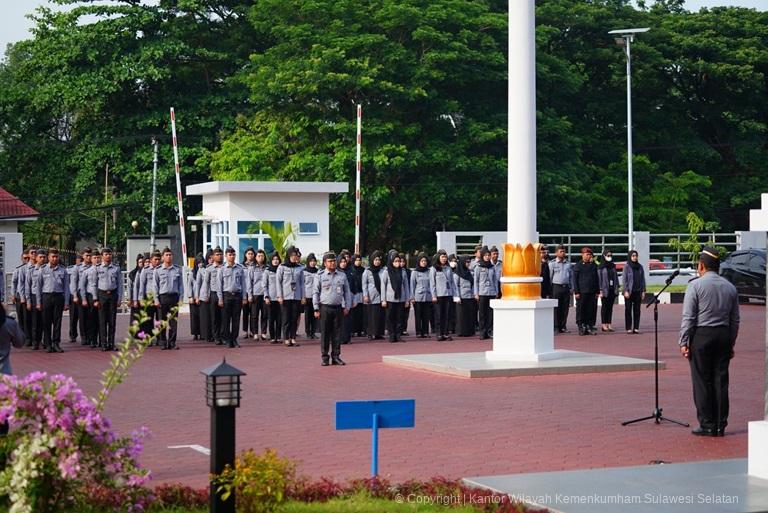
463,427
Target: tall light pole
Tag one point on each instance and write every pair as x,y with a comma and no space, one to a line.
624,39
154,196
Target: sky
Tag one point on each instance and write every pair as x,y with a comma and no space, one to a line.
14,26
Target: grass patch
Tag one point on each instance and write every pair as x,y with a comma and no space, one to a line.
671,288
365,504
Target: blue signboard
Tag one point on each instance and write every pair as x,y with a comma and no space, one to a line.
374,415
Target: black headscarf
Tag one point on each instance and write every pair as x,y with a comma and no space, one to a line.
309,268
356,285
271,267
634,265
375,269
419,268
198,260
482,262
288,254
605,263
245,256
462,270
395,273
136,269
436,263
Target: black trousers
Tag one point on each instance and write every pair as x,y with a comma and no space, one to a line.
606,308
53,309
246,315
310,323
422,312
484,316
230,317
36,319
395,319
91,318
21,316
442,309
167,302
194,319
452,313
632,310
563,295
465,321
346,329
74,317
107,317
274,320
84,315
710,358
330,329
259,315
404,319
289,311
358,319
214,317
153,314
586,309
205,322
375,320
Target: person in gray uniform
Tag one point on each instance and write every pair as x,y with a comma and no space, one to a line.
53,288
33,299
289,281
17,292
396,292
169,284
254,278
133,296
708,335
90,313
249,260
486,288
609,289
211,294
633,279
441,286
270,298
372,296
107,290
421,295
231,278
310,273
74,310
464,285
205,311
561,276
193,295
148,292
332,300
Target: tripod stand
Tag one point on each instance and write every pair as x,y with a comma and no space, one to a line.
657,415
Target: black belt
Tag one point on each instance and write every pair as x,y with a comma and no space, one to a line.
238,293
561,285
107,292
167,294
330,306
53,293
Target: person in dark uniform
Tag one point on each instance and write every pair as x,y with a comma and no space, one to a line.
708,334
33,299
54,291
331,299
546,278
586,286
107,290
74,310
609,289
169,284
634,292
133,276
356,286
90,313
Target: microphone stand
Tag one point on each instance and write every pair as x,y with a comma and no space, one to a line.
657,411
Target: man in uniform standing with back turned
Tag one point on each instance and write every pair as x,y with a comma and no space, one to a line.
707,336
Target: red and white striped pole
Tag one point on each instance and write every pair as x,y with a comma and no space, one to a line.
357,181
178,191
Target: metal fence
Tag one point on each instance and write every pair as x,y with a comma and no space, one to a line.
674,257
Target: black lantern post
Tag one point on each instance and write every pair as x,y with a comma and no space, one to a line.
222,394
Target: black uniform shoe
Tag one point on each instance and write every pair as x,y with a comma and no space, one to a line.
72,340
700,431
57,348
325,363
49,349
165,347
338,361
220,343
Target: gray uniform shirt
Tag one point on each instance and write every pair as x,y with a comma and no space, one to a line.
17,282
290,282
74,280
254,277
32,286
486,281
561,272
331,289
420,290
147,284
108,277
54,280
309,283
269,282
210,282
369,287
389,292
199,282
441,282
231,280
465,287
168,280
710,300
86,275
10,335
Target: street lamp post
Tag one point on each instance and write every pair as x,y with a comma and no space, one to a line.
222,394
624,38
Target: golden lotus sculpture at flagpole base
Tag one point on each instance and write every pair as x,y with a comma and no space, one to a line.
522,268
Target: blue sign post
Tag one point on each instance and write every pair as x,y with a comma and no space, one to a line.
375,415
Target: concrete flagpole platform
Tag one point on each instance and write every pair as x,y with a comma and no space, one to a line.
702,487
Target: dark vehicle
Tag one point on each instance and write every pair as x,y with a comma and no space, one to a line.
746,270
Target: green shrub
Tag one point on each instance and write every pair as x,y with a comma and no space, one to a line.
259,482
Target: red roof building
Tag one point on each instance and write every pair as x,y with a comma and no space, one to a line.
13,209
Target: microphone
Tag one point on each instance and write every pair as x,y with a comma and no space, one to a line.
672,276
